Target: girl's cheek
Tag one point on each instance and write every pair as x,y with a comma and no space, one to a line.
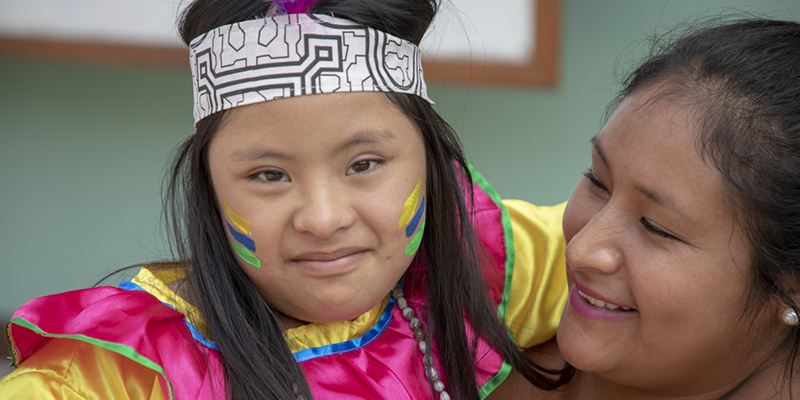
412,219
241,232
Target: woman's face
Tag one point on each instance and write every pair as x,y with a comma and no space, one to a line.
654,246
322,198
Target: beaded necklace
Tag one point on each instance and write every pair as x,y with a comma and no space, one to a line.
427,359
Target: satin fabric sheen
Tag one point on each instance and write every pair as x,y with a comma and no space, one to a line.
71,370
108,327
133,324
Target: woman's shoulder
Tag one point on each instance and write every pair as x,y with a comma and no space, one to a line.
516,386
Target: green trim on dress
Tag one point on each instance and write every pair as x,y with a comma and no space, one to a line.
120,349
502,308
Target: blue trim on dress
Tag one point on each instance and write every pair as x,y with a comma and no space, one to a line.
195,332
306,354
357,343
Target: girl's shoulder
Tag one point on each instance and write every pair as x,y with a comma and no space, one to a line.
130,325
65,368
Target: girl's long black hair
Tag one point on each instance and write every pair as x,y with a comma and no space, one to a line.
257,362
742,79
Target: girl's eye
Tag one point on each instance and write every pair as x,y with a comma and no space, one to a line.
362,166
589,174
271,175
655,231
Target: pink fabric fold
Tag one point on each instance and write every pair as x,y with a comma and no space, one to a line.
150,331
108,317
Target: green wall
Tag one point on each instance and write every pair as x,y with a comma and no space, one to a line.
83,148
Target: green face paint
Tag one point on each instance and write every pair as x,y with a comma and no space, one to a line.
242,244
246,255
412,247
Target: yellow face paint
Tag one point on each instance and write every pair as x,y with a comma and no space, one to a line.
238,220
242,244
410,205
412,217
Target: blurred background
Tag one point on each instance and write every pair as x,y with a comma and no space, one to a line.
84,141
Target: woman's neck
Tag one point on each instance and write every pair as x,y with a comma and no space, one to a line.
760,384
766,382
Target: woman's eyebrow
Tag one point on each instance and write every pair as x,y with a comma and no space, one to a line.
595,141
664,201
657,197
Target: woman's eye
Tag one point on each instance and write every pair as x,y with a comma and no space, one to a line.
271,175
589,174
654,230
362,166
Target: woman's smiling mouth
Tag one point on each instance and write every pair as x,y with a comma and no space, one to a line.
602,304
593,308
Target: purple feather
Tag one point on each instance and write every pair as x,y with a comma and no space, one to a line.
295,6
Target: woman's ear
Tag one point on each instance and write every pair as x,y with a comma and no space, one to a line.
788,311
788,316
786,300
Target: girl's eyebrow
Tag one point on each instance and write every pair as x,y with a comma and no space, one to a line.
257,153
360,137
367,136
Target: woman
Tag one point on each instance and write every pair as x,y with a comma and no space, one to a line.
683,238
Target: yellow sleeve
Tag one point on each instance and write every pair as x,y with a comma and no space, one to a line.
538,291
74,370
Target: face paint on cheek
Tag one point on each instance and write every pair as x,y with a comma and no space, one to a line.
243,245
412,226
411,220
416,241
410,205
238,220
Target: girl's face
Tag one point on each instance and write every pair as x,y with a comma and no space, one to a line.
322,199
648,230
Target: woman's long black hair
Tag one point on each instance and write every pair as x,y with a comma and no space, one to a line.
743,81
258,364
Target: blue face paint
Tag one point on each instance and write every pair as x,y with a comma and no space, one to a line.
242,239
412,226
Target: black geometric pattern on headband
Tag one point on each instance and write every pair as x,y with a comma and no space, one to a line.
292,55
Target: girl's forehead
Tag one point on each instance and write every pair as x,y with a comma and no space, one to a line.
305,124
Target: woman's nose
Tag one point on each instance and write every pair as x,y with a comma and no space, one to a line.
323,210
597,245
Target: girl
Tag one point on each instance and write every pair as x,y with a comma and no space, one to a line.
683,247
326,247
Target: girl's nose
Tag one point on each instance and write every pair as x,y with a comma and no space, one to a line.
323,211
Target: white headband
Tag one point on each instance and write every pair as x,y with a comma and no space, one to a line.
296,54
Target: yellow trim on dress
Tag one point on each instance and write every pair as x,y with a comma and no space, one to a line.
319,334
155,280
